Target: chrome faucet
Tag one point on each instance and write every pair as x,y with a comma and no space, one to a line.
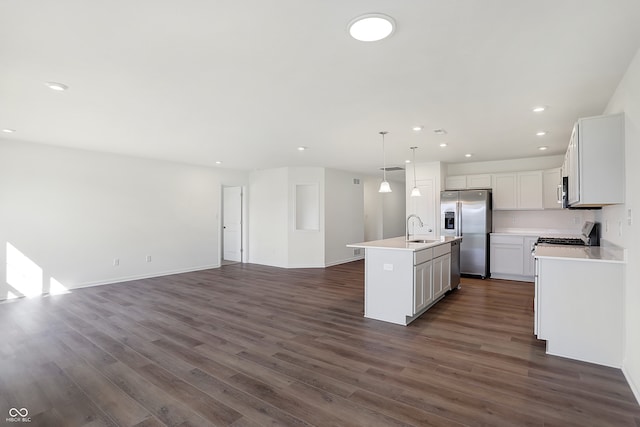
409,218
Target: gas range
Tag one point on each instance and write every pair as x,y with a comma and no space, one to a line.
569,241
590,237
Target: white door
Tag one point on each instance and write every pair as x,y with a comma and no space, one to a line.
232,223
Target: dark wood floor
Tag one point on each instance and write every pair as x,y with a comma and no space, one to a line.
249,345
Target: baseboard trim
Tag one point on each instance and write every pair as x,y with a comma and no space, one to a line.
344,261
125,279
634,387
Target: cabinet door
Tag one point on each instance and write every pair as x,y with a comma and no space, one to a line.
455,182
504,191
507,255
552,181
529,190
573,167
479,181
441,275
423,286
528,260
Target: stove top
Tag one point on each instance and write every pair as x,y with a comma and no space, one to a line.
569,241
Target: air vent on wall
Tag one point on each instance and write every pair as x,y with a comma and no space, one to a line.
356,181
392,168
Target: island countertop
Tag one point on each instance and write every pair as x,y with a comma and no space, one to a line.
400,243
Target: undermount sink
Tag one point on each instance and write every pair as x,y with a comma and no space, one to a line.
423,241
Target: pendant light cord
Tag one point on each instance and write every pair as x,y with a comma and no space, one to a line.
384,158
414,166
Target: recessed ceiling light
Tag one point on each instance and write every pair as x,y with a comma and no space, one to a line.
371,27
56,86
544,147
301,148
468,155
440,131
443,144
218,162
8,130
539,109
407,161
417,128
541,133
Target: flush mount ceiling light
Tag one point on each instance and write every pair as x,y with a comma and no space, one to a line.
371,27
416,191
8,130
384,185
417,128
541,133
539,109
56,86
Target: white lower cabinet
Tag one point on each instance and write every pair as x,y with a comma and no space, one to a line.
511,258
441,275
423,286
579,309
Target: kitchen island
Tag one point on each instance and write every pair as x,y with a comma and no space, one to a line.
403,279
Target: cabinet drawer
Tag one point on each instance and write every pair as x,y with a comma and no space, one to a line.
507,240
441,250
423,256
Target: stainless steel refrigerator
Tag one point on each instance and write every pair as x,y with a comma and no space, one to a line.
467,213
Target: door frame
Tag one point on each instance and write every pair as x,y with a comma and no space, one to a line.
243,224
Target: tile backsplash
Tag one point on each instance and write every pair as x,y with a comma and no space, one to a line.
563,221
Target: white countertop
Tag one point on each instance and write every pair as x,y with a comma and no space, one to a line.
613,254
399,243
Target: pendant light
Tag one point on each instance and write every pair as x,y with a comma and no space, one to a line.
416,191
384,185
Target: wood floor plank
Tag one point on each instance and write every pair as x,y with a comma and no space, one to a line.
249,345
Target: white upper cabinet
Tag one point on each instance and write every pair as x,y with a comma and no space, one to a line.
552,188
456,182
596,161
529,190
517,191
464,182
504,191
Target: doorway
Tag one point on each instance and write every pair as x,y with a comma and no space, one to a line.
231,225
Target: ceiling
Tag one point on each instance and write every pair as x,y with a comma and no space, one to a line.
246,82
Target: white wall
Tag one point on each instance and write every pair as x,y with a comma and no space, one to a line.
627,99
344,215
269,217
71,212
499,166
305,247
384,213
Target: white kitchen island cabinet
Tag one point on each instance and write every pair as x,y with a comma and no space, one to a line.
578,303
404,279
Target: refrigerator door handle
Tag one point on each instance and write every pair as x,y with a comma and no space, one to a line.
459,219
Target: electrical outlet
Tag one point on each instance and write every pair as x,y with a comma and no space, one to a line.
606,226
629,220
116,262
148,258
